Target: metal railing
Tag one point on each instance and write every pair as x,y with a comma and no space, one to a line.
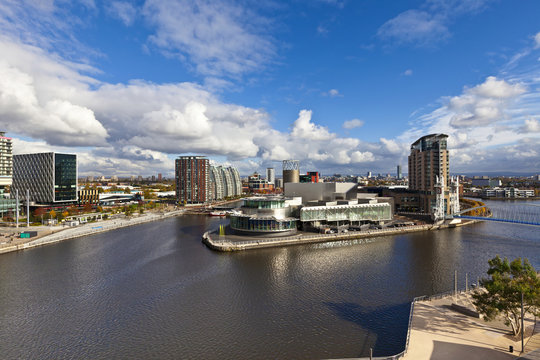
222,239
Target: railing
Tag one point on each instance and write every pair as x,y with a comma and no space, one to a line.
222,240
106,226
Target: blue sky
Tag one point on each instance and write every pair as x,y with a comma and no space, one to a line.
343,86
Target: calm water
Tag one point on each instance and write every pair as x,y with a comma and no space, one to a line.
155,291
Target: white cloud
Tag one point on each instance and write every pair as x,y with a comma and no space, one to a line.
408,72
131,128
429,23
414,26
354,123
392,146
333,93
498,88
304,129
531,126
537,41
24,110
483,104
322,30
220,38
360,157
123,11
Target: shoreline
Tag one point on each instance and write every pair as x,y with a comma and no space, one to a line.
66,233
89,229
224,245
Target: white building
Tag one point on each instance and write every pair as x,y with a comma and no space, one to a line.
6,160
507,193
271,175
224,182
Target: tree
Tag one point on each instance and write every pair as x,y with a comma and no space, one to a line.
39,212
502,292
52,214
88,208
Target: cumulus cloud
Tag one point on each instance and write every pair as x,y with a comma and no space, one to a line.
408,72
483,104
24,110
219,37
354,123
304,129
136,127
530,126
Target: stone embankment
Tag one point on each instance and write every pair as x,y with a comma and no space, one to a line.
224,243
61,234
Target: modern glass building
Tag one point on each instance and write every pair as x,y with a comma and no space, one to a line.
270,216
50,177
347,213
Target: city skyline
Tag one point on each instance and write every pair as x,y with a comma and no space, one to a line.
342,86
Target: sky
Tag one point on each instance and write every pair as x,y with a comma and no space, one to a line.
344,86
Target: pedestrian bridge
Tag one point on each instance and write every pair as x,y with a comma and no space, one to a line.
523,214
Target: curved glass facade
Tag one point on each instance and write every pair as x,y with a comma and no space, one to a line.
264,203
374,212
247,223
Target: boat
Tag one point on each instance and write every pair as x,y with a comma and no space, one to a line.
218,213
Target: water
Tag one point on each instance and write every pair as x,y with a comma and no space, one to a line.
155,291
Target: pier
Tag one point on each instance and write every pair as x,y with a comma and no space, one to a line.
230,242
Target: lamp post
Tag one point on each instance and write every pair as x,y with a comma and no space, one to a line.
522,328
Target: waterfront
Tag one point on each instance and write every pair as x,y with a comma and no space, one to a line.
155,291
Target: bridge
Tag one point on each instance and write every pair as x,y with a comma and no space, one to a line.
523,214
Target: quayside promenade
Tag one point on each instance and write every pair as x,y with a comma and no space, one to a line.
230,242
438,331
54,234
446,327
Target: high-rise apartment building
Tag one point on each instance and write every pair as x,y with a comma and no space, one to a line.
224,182
399,174
6,174
270,175
6,161
429,161
431,190
50,177
192,174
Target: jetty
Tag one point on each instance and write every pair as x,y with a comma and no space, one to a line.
231,242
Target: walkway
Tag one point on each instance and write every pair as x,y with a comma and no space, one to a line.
440,332
59,233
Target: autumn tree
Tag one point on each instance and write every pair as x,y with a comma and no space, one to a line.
39,212
501,292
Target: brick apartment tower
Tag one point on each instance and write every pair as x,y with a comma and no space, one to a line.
192,175
428,159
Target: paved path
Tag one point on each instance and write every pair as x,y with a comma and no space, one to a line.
63,233
439,332
532,346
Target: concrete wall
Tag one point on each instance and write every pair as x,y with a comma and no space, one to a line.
321,191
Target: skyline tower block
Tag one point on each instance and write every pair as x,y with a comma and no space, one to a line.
428,160
192,176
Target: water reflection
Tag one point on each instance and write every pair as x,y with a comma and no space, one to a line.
155,291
